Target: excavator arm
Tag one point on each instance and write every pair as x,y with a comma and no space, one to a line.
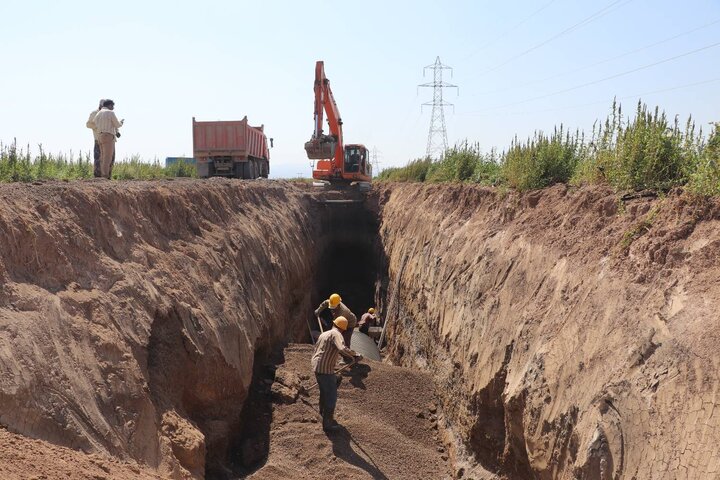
334,163
320,146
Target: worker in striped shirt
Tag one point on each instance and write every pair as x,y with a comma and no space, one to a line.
329,347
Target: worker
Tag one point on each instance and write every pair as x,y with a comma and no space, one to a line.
337,309
107,124
96,147
367,320
329,345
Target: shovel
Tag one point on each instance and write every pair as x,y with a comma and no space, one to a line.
305,391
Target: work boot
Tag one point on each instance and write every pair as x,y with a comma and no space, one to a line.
329,422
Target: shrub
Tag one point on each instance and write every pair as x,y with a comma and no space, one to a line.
19,165
414,171
542,160
181,169
457,164
705,179
647,152
135,169
465,162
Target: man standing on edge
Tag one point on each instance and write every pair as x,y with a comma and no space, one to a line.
106,125
96,147
337,309
327,349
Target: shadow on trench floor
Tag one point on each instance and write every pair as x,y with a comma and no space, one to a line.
249,450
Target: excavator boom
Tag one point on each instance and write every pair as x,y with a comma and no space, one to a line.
337,162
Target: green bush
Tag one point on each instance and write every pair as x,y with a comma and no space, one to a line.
415,171
705,179
542,160
457,164
465,162
488,170
19,165
181,169
647,152
462,163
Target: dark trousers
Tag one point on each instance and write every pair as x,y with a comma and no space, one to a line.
96,158
327,382
347,335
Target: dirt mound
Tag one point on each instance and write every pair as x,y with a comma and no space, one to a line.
389,426
131,312
571,333
24,459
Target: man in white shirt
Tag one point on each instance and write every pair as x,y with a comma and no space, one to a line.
106,125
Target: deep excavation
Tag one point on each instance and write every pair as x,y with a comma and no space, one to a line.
162,328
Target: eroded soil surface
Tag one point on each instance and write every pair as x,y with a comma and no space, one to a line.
22,458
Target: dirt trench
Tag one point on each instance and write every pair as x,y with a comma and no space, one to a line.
556,334
137,317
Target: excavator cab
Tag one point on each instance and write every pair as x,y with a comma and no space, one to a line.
356,160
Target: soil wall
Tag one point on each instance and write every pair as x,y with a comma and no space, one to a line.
131,312
571,333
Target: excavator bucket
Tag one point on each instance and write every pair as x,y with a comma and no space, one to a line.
320,150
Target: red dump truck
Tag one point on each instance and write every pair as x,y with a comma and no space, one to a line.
230,149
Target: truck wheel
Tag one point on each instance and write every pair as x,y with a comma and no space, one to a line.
247,169
265,168
242,169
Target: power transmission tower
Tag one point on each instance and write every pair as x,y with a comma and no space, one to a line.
437,137
375,162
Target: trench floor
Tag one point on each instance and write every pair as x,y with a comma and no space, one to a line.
388,417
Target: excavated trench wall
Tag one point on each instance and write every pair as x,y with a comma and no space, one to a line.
131,313
571,333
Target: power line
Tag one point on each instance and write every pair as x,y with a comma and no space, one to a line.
625,97
594,82
600,13
585,67
514,27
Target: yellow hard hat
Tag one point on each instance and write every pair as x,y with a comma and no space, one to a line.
334,300
371,310
341,323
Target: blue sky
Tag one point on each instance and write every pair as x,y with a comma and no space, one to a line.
520,66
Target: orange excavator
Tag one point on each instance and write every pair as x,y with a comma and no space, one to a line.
337,163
